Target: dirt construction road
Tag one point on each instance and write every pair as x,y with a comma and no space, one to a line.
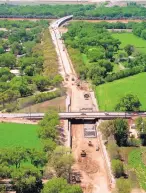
91,167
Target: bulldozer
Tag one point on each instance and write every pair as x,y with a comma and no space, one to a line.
83,153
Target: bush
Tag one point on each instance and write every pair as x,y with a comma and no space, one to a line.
113,150
117,167
134,142
47,96
123,185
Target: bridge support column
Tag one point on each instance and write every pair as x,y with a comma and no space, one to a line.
69,134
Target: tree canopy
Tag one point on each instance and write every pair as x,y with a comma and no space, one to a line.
129,102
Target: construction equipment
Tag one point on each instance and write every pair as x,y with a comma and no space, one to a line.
77,176
90,143
83,153
97,148
86,96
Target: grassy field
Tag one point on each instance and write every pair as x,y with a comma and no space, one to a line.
13,134
135,162
129,38
57,104
109,94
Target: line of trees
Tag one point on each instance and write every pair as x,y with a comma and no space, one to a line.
132,10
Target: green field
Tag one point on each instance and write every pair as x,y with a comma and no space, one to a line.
129,38
135,162
13,134
109,94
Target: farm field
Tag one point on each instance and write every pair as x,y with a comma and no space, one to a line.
24,135
109,94
129,38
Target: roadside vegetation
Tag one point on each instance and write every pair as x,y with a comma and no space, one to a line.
127,153
27,164
131,11
28,65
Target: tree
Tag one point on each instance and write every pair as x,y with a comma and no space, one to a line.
57,80
5,170
95,54
107,128
48,145
17,48
38,158
129,102
17,155
5,74
3,189
143,34
129,49
122,55
48,125
62,160
117,168
60,185
121,131
41,82
1,50
106,64
27,180
29,70
11,95
7,60
141,125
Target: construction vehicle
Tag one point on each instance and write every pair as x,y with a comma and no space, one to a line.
66,77
78,83
90,143
97,148
77,177
83,153
86,96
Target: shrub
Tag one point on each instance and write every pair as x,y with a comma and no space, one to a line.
123,185
113,150
134,142
47,96
117,167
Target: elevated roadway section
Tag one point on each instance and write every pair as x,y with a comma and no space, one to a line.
76,115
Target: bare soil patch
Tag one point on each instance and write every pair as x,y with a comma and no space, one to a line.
18,120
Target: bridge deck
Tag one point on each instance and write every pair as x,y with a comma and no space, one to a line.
76,115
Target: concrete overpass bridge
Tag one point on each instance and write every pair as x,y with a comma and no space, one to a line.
76,115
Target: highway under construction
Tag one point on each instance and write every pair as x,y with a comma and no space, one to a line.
80,123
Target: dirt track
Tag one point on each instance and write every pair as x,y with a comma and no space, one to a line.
91,168
18,120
